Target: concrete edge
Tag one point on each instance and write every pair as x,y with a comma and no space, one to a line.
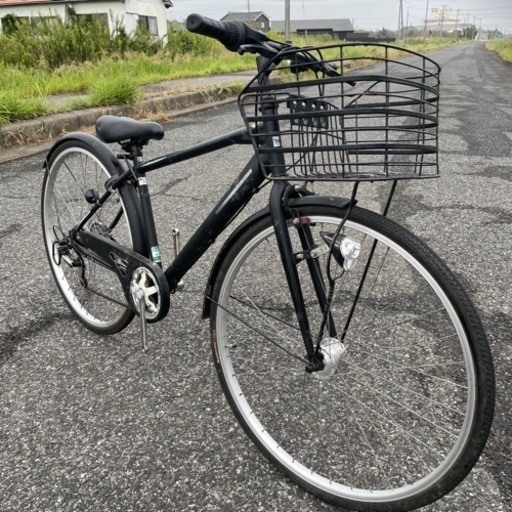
26,138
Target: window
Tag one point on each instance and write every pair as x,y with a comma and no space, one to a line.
94,17
10,21
43,19
149,23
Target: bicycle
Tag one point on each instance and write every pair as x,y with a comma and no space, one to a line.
348,351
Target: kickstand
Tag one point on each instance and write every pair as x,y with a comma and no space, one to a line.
142,313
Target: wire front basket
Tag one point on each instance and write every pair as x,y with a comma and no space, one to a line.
376,123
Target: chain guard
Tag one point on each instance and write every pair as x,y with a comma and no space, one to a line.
105,251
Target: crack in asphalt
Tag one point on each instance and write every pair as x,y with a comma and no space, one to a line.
503,216
13,228
164,190
11,340
500,172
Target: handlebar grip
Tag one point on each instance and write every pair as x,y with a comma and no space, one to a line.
232,34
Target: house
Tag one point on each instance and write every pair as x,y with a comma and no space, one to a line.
338,28
149,14
258,19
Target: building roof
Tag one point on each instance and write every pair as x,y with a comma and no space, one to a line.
243,16
21,2
336,25
167,3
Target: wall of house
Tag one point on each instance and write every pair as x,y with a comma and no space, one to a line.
262,23
115,10
127,12
32,11
150,8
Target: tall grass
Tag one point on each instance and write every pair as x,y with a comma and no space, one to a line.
117,89
503,47
50,43
52,57
13,108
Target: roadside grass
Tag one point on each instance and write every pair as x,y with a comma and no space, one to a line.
114,90
116,79
13,108
143,69
502,47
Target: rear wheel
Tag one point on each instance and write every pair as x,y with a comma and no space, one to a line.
404,411
77,171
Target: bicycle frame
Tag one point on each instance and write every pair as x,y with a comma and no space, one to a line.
234,200
229,206
226,210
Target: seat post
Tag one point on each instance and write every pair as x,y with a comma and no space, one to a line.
134,149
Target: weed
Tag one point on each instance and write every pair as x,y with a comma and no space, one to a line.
13,108
114,90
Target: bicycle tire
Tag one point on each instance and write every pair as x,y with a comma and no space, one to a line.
408,410
75,167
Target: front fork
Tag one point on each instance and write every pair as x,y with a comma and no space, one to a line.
278,206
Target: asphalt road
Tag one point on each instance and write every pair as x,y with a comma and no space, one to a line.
96,424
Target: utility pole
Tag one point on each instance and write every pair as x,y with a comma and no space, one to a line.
457,23
287,20
442,21
426,20
400,21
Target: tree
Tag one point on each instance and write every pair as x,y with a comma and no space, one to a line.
385,33
469,32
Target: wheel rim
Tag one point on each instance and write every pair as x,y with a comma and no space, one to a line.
74,171
271,435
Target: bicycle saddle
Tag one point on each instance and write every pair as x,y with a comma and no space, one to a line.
117,129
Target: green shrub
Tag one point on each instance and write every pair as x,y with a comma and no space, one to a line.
182,42
51,43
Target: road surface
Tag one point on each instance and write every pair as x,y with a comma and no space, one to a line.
96,424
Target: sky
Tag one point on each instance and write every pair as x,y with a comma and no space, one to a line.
365,14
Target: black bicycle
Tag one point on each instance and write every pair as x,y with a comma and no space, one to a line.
348,351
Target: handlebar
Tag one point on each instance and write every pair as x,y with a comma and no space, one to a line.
236,36
232,34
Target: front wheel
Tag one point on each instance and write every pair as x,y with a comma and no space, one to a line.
405,410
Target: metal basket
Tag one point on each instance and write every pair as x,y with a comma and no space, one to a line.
383,127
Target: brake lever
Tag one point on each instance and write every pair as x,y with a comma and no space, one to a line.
332,71
261,49
297,66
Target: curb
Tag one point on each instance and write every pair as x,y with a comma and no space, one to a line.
44,129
